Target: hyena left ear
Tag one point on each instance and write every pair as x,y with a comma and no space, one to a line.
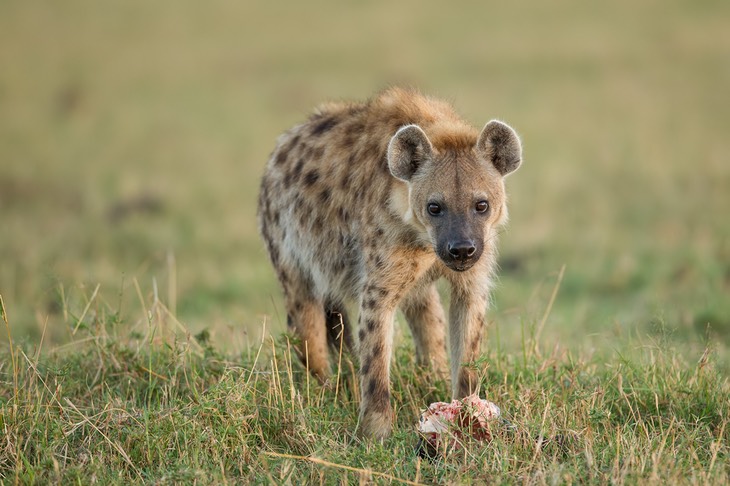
499,144
407,151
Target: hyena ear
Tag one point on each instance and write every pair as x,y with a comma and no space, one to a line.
499,144
407,151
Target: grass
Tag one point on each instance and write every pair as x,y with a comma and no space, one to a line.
132,138
166,407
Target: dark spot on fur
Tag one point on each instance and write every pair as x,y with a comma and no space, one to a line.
293,143
345,181
349,140
370,325
409,238
283,278
365,368
311,178
287,179
281,157
378,394
323,126
361,334
324,196
318,153
377,350
372,386
296,171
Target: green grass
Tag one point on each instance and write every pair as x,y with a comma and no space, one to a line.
160,406
132,138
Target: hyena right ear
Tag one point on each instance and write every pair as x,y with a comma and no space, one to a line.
407,151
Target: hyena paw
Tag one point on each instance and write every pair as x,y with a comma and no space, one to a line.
376,424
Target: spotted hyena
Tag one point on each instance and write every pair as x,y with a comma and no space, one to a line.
370,203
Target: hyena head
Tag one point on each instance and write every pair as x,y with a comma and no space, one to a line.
456,193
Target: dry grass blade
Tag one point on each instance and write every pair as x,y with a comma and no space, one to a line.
2,310
86,309
114,445
358,470
548,309
12,351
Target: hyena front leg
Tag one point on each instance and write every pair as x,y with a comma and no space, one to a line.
466,322
425,317
389,277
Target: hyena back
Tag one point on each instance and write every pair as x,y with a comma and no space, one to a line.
370,203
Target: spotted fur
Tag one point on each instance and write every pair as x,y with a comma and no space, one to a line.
346,211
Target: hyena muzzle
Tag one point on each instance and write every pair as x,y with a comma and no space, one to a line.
368,204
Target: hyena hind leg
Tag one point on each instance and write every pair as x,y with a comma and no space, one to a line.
306,319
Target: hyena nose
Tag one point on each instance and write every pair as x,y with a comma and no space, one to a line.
461,250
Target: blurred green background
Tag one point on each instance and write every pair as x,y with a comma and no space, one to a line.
133,135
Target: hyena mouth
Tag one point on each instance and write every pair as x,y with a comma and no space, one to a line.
461,267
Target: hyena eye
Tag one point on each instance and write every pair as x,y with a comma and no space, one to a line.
433,209
482,206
